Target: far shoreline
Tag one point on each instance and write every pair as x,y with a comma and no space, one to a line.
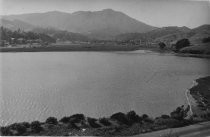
95,48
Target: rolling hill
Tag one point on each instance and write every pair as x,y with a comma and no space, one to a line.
170,34
98,24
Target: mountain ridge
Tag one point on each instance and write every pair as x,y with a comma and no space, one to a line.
95,23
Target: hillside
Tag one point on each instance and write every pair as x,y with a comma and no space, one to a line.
16,24
100,24
170,34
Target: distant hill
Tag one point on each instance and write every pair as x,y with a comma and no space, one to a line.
98,24
200,33
154,34
16,24
170,34
61,35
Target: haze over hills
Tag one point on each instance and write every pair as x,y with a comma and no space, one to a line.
100,24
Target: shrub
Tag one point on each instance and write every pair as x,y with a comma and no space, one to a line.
5,131
105,122
36,126
76,118
121,117
180,113
165,116
51,120
181,44
162,45
65,120
133,117
19,127
144,116
92,123
26,124
206,40
170,123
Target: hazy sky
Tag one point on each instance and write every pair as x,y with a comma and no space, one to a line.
154,12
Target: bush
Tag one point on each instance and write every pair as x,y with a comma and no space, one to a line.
170,123
65,120
181,44
206,40
26,124
180,113
105,122
133,117
19,127
120,117
92,123
51,120
5,131
77,118
165,116
36,126
162,45
145,116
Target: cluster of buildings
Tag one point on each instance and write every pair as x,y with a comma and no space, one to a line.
21,42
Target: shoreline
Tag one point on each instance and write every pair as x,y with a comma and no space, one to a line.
118,124
200,98
96,48
67,48
193,55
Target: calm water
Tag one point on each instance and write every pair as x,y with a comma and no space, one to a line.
35,86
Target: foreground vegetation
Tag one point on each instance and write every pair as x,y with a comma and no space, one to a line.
120,123
201,94
117,124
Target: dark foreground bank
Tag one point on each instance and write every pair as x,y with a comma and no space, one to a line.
200,93
118,124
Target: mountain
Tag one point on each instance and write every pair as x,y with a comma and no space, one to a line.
101,24
16,24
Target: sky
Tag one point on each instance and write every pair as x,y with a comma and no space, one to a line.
159,13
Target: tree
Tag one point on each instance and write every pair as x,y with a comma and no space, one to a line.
181,44
162,45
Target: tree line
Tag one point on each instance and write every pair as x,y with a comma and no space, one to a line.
12,37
